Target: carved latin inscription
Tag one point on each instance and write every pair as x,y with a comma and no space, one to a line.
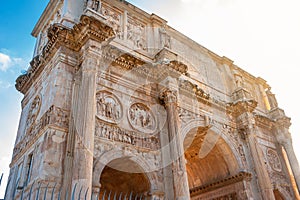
108,107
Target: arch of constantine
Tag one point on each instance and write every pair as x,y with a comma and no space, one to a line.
116,99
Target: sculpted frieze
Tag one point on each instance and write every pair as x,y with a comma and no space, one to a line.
55,116
141,118
108,107
117,134
186,116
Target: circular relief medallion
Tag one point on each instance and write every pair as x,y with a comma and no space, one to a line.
33,111
108,107
274,160
141,118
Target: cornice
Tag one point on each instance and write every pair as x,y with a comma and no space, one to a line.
48,12
242,106
263,121
73,39
242,176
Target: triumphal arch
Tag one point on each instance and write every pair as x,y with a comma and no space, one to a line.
117,100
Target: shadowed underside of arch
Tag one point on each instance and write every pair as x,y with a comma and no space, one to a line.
218,163
124,175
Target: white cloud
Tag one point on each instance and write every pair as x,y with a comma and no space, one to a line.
5,62
5,85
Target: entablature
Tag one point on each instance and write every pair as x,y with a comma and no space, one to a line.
73,39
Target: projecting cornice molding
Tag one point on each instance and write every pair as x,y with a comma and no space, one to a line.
242,176
61,36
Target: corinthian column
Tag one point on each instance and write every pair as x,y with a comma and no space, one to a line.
285,139
243,110
260,168
288,146
84,123
180,180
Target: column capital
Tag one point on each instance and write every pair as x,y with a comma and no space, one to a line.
242,106
168,96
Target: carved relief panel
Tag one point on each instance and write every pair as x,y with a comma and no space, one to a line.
274,160
33,112
108,107
136,32
141,118
114,19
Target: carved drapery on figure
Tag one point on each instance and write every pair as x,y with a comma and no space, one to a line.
136,33
141,118
165,38
272,100
108,107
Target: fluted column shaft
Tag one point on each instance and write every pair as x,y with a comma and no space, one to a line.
84,118
180,180
264,181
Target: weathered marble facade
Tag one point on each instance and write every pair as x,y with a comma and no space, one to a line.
117,99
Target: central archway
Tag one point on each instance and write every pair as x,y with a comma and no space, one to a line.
210,163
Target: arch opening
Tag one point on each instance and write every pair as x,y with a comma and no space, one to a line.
210,161
124,176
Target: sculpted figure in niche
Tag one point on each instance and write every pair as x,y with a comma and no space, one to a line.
272,99
238,81
94,5
165,38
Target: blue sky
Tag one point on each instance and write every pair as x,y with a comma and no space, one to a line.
262,37
17,19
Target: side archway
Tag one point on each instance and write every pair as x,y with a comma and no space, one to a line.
132,170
